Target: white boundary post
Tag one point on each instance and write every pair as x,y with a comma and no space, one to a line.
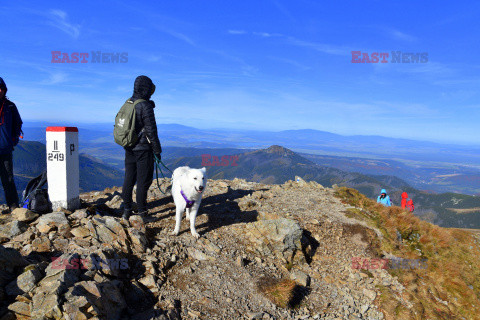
63,170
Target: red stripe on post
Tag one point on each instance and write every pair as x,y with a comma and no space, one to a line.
62,129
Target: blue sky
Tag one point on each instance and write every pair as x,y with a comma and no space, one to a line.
268,65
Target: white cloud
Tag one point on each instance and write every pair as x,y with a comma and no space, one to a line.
267,35
322,47
58,19
402,36
55,78
180,36
236,32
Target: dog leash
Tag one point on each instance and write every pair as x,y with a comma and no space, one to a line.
158,167
163,164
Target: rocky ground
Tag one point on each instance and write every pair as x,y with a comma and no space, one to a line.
266,252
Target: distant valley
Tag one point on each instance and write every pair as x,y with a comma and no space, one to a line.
424,165
448,175
277,165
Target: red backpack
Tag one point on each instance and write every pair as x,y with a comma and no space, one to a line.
410,205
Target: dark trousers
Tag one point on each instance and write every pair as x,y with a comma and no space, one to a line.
139,167
6,174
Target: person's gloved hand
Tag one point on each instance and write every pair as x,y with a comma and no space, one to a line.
158,156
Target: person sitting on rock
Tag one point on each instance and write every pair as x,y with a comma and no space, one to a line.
384,199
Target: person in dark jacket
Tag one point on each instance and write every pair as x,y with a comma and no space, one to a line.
139,159
10,129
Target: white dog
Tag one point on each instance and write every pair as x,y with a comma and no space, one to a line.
188,186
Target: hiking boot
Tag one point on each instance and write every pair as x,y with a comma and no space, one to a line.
13,207
126,214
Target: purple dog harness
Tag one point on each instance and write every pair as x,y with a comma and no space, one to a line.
190,203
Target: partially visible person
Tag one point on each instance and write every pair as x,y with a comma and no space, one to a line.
384,199
410,207
139,159
404,199
10,130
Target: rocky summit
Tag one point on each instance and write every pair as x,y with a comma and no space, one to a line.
287,251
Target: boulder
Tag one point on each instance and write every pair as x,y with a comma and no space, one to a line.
61,273
46,305
110,231
150,283
138,239
106,298
20,308
28,279
51,221
300,277
115,203
80,232
109,262
137,222
27,236
198,255
279,237
41,244
12,229
116,227
300,181
24,215
74,312
79,214
99,230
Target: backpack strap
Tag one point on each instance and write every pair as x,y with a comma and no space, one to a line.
136,101
134,104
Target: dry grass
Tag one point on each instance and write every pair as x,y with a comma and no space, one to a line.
280,292
450,286
464,211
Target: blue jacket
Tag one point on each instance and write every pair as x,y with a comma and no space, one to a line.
10,126
385,201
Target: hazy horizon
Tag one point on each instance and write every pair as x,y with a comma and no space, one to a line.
109,127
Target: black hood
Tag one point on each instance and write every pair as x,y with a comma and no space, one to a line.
143,88
3,85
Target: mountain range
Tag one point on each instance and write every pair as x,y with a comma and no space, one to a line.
425,165
276,165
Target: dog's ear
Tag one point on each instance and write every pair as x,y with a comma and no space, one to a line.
204,170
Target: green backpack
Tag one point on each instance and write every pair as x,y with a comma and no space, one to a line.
124,128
